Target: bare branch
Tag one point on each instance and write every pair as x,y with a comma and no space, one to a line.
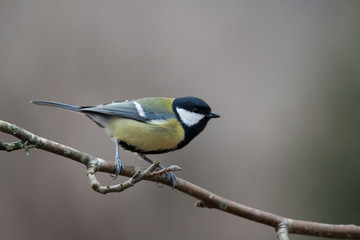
282,231
13,146
171,168
137,177
207,198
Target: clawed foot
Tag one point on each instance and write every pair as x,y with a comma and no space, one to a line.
119,167
168,171
119,163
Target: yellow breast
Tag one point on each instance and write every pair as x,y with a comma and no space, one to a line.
159,135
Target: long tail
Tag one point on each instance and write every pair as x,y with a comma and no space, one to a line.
57,104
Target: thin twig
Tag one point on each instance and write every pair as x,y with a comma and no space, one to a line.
208,198
137,177
171,168
282,231
11,146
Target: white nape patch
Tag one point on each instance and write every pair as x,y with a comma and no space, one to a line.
158,121
189,118
139,109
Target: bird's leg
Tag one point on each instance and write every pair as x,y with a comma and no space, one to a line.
119,163
169,175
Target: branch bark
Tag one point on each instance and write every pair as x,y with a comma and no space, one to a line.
281,225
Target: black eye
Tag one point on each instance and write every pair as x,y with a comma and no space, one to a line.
196,110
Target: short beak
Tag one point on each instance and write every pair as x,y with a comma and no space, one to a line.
213,115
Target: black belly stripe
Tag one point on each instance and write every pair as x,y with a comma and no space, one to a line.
132,148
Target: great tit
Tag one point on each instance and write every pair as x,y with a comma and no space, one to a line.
148,125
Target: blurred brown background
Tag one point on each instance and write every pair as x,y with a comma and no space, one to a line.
284,75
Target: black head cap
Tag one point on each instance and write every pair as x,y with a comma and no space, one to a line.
195,105
193,114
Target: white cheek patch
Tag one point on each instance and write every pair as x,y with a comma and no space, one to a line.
189,118
139,109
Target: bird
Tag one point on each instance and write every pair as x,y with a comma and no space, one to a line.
152,125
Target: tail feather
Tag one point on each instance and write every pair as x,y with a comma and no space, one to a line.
57,104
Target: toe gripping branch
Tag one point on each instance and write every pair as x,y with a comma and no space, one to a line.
168,171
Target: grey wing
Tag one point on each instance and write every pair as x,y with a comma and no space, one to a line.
126,109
